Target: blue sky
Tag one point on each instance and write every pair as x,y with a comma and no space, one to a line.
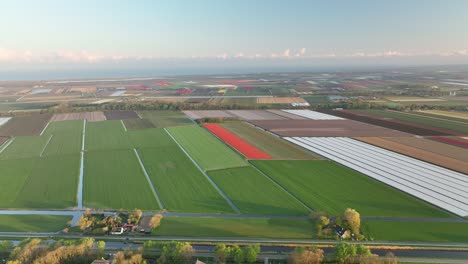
86,31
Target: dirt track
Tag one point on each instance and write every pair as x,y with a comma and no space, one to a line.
434,158
325,128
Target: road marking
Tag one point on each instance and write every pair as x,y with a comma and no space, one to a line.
43,130
149,180
234,207
45,146
125,128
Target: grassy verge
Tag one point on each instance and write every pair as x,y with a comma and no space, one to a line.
33,223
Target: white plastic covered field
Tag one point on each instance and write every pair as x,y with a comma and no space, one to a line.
313,115
439,186
4,120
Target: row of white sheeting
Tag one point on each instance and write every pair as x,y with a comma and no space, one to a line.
436,185
313,115
3,120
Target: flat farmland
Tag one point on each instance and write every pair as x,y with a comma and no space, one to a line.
451,115
163,119
276,147
33,223
25,125
88,116
179,184
238,227
253,193
119,115
24,147
66,137
461,127
417,231
52,183
3,140
391,123
237,143
205,149
136,124
150,138
451,141
329,187
14,174
324,128
429,156
255,115
114,179
106,135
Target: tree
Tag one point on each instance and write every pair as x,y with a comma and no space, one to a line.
306,256
221,252
250,253
101,245
353,219
155,221
237,254
345,251
390,258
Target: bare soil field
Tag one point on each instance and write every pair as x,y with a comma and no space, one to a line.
83,89
49,97
425,155
287,115
280,100
118,115
2,140
207,113
392,123
89,116
325,128
25,125
255,115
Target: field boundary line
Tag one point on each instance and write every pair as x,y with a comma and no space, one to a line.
45,146
6,144
79,194
123,124
234,207
282,188
149,180
44,129
138,114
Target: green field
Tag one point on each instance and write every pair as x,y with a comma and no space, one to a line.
417,231
276,147
14,174
137,123
114,179
66,137
52,183
421,119
106,135
329,187
150,138
317,99
208,151
163,119
179,184
47,182
33,223
236,227
24,147
253,193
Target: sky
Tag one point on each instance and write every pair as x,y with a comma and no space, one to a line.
89,34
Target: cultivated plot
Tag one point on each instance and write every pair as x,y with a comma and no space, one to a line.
52,183
119,115
312,115
114,179
179,183
274,146
150,138
88,116
106,135
436,185
25,125
25,147
163,119
33,223
254,193
66,138
330,187
13,176
208,151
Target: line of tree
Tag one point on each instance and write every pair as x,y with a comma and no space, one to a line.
236,254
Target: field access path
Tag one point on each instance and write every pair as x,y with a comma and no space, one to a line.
79,195
233,206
